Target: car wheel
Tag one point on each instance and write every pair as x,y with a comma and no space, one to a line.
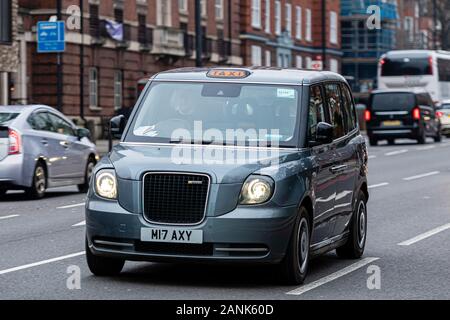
101,266
373,142
422,139
39,183
294,266
83,188
391,142
438,137
354,247
3,192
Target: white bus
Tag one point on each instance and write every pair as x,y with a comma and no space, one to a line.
425,69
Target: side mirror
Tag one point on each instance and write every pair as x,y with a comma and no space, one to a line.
117,126
83,133
324,133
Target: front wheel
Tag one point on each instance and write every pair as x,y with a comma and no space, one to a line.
354,247
294,266
39,183
101,266
83,188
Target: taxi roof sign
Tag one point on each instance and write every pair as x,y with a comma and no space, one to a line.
228,73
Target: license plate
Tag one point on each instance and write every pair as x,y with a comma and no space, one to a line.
174,235
392,123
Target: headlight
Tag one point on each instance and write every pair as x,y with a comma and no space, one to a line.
106,184
256,190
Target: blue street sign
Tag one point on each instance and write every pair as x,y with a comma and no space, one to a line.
51,36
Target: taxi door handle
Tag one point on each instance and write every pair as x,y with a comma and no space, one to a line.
338,169
65,144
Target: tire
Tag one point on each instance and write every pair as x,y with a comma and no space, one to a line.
354,247
391,142
39,183
3,192
84,187
101,266
373,142
438,137
422,139
294,266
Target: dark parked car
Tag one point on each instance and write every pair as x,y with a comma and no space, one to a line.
403,113
300,194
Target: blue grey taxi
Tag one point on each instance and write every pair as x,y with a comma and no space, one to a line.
232,165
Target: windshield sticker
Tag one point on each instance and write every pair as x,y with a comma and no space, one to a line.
148,131
286,93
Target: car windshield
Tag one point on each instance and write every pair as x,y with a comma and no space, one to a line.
217,113
393,101
7,117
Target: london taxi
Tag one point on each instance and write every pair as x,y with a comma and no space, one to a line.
247,165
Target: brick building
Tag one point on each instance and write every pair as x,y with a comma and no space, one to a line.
9,47
288,33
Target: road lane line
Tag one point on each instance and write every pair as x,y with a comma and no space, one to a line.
9,217
379,185
394,153
420,176
371,157
72,205
332,277
425,148
425,235
82,223
39,263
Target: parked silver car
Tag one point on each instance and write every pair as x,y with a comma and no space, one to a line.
40,148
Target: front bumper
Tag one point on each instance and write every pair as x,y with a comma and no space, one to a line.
407,132
246,234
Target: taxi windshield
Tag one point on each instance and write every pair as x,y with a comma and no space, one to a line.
217,113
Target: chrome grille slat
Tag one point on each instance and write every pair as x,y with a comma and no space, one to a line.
175,198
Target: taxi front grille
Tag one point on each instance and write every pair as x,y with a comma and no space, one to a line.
175,198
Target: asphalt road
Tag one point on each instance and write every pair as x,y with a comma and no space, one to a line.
408,236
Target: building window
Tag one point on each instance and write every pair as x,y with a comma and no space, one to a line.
409,28
5,21
118,15
288,17
256,13
308,25
267,16
298,23
204,8
142,29
299,62
277,17
268,58
94,21
93,88
334,65
256,56
333,27
183,6
118,90
219,9
163,16
308,63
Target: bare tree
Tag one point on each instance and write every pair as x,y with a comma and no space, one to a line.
443,20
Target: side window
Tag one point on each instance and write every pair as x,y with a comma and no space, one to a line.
40,121
316,110
349,108
61,126
333,98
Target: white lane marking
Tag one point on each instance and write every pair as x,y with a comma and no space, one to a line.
332,277
425,235
371,157
394,153
72,205
421,176
82,223
383,184
9,217
425,148
39,263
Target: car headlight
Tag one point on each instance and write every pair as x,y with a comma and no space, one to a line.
256,190
106,184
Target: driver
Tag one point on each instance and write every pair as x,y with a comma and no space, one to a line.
183,104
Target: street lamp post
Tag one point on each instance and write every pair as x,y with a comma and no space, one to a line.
198,34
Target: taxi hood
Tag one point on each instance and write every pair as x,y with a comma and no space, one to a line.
223,164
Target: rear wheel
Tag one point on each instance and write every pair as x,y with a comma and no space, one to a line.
83,188
373,142
3,192
391,142
101,266
438,137
354,247
422,139
294,266
39,183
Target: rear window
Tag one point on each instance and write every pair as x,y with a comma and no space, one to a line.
7,116
406,67
393,101
445,106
